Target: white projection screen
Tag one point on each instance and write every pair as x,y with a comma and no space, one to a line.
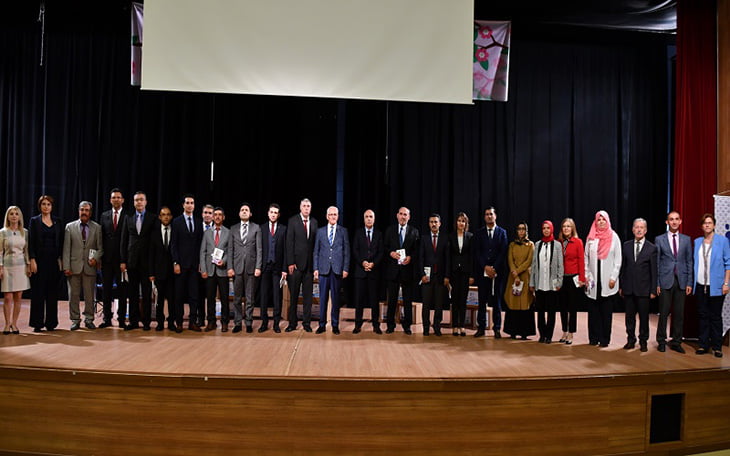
408,50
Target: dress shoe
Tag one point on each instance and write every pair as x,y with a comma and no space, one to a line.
237,329
105,324
407,331
569,342
146,327
224,327
463,334
593,342
512,336
35,330
389,331
179,329
603,345
718,353
171,327
263,329
90,325
643,348
290,329
210,327
277,330
307,328
377,330
548,341
629,346
524,338
497,334
437,331
249,329
336,330
321,329
14,329
356,330
662,348
702,351
541,340
75,325
676,347
455,333
194,327
50,328
425,332
479,333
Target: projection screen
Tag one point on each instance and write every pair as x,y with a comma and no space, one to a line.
408,50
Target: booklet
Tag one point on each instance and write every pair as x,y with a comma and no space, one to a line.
217,256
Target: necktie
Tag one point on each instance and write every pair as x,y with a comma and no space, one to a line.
244,232
217,236
401,236
434,243
207,227
272,229
674,244
332,234
638,249
305,228
489,232
114,222
83,231
190,224
369,238
167,237
138,223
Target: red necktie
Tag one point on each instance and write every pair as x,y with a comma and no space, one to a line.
305,228
217,236
114,223
272,230
434,243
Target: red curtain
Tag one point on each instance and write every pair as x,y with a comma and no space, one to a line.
695,157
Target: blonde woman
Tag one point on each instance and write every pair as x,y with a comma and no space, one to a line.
573,278
14,266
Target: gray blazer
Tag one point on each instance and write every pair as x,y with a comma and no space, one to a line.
556,265
206,250
244,258
76,251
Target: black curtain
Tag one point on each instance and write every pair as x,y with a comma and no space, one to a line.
585,129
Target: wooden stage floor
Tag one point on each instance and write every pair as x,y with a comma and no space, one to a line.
363,356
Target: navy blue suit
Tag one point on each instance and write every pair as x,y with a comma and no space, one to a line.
434,290
490,252
273,255
185,250
134,252
331,260
674,275
366,282
638,280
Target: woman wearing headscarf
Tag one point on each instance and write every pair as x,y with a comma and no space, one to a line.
519,319
603,264
573,278
546,280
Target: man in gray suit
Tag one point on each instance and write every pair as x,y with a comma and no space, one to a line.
245,259
82,252
213,268
675,277
331,264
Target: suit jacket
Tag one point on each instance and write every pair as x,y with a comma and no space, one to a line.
438,260
299,248
638,276
185,246
245,258
160,257
411,243
718,262
278,242
34,236
134,248
76,251
490,252
207,246
666,263
111,238
372,253
461,261
556,265
333,258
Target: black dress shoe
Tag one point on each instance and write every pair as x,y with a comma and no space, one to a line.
377,330
425,332
35,330
336,330
407,331
356,330
629,346
178,329
702,351
389,331
237,329
643,348
548,341
146,327
662,348
263,329
479,333
159,327
307,328
249,329
131,327
718,353
497,334
676,347
277,330
463,333
437,331
542,339
603,344
321,329
106,324
290,328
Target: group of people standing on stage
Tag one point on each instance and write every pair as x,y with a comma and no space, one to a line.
189,259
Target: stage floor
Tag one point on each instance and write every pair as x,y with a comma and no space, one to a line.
346,356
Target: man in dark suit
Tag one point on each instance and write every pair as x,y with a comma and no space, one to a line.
331,265
214,268
401,245
273,242
638,279
300,234
134,256
187,233
675,279
161,270
112,227
432,265
490,254
367,251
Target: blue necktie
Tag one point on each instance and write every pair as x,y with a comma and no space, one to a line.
332,234
402,230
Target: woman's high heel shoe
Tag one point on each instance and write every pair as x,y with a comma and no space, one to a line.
6,330
14,329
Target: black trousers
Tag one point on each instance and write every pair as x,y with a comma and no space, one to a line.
433,293
305,280
366,292
140,307
636,304
546,304
270,295
600,319
671,300
459,294
569,296
44,294
165,291
110,275
407,285
709,313
186,290
212,284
